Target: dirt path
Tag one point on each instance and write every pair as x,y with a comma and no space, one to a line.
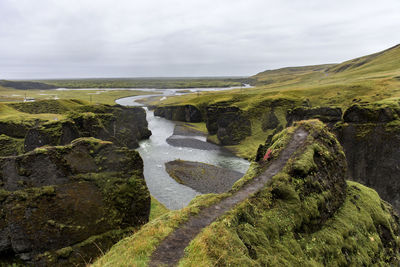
171,249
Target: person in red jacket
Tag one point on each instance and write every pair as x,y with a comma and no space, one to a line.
268,155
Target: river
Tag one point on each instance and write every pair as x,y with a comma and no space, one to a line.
155,152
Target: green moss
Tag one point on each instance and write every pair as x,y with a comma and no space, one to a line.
10,146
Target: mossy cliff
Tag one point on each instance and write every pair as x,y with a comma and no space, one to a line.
307,215
370,135
187,113
64,205
58,122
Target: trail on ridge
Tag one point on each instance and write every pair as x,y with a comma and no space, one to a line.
171,249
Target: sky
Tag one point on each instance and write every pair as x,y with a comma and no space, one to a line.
186,38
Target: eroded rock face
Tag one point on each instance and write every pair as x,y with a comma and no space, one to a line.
122,125
372,152
360,114
325,114
57,201
270,121
186,113
229,123
14,129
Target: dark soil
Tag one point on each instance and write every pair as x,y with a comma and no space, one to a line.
171,249
202,177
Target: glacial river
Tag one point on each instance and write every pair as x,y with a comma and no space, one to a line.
155,152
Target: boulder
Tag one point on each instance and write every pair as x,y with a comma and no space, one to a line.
57,201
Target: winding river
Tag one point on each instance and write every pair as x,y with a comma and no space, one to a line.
155,152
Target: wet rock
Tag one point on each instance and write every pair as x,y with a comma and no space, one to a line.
186,113
56,201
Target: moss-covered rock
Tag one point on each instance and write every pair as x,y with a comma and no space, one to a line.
121,125
372,151
370,114
16,129
229,123
59,201
325,114
186,113
10,146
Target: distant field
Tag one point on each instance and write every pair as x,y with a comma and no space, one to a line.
160,83
44,89
91,96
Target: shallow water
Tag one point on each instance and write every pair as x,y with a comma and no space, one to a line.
156,152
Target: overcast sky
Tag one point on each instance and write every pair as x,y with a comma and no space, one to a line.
131,38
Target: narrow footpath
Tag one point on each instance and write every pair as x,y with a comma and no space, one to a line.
171,249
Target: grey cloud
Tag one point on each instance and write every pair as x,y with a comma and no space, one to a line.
89,38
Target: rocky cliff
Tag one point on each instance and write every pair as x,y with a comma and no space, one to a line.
229,123
122,125
370,136
186,113
64,205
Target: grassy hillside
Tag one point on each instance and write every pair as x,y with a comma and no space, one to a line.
373,78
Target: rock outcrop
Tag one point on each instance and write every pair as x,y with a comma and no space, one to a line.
186,113
371,140
229,123
328,115
122,125
63,205
15,129
365,114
